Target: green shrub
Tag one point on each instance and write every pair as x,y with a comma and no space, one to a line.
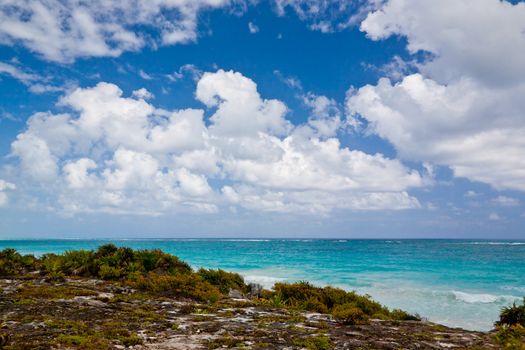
187,285
78,263
315,305
130,340
110,262
12,263
52,263
510,337
365,303
512,315
401,315
224,280
160,262
349,314
297,295
305,296
107,272
319,342
106,250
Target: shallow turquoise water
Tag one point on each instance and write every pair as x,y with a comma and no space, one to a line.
460,283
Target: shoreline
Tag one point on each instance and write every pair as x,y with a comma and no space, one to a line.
115,297
412,275
101,315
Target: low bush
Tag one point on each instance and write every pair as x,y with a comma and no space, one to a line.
349,314
224,280
13,263
319,342
512,315
510,337
348,306
305,296
149,270
401,315
186,285
130,340
110,262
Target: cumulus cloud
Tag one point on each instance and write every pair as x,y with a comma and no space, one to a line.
65,30
325,118
458,110
121,154
240,109
465,37
4,187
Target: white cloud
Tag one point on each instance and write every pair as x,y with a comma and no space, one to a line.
328,16
36,158
458,111
142,93
36,83
76,173
186,69
291,82
240,109
505,201
144,75
8,116
325,117
65,30
123,155
477,131
315,202
471,194
4,187
395,70
494,217
18,74
253,28
467,37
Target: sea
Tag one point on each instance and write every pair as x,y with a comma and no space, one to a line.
457,283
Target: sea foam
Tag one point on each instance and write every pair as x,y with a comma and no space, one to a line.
474,298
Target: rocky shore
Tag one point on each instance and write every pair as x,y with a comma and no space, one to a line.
81,313
120,298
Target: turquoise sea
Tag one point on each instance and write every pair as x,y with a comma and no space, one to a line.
461,283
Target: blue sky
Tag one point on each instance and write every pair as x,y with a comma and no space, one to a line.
282,118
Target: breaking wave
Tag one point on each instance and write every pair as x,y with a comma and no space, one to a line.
474,298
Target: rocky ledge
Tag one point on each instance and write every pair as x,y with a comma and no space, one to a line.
81,313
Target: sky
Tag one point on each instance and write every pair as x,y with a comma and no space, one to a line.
277,118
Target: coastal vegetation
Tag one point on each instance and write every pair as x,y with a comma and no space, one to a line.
116,296
513,315
158,272
510,328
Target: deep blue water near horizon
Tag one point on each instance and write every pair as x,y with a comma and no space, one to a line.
461,283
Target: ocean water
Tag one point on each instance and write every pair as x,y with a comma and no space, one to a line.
459,283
